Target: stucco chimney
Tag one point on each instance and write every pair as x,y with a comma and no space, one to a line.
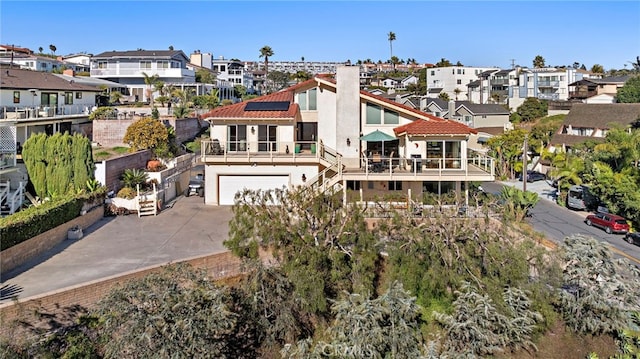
69,72
452,109
346,123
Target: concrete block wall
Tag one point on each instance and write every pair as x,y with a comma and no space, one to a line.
109,133
218,266
186,128
115,167
13,257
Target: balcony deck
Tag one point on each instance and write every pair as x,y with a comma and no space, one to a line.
474,168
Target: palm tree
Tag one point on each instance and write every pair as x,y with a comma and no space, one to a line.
40,49
150,81
53,49
457,91
392,37
538,62
266,52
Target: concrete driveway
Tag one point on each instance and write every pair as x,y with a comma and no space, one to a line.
120,244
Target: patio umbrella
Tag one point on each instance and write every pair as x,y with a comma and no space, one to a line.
377,136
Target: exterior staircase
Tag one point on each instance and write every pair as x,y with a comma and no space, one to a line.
329,178
11,201
147,202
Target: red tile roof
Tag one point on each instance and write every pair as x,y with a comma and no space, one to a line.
426,127
432,125
237,110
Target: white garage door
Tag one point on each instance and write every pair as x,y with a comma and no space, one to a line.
229,185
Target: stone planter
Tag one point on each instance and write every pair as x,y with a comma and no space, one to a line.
75,233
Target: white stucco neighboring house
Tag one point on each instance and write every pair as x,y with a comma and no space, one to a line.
43,102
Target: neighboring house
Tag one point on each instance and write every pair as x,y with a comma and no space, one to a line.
233,71
483,115
452,80
44,102
291,67
435,106
325,133
544,83
409,80
82,61
225,88
478,91
106,86
591,122
129,69
488,119
594,90
34,62
390,83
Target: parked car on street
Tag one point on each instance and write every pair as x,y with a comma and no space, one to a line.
611,223
534,176
633,238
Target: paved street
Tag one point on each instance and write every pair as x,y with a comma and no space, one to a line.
558,222
119,244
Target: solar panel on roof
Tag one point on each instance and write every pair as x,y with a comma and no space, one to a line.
267,106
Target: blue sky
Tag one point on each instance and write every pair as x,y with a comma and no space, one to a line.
476,33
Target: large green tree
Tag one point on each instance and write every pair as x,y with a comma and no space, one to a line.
532,109
205,76
278,79
443,63
323,247
597,69
538,62
630,92
58,164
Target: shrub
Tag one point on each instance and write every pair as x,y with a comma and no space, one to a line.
32,221
131,177
103,113
146,133
127,193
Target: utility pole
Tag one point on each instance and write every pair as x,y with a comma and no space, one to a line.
524,163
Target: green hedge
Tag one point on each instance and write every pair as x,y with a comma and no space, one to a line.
32,221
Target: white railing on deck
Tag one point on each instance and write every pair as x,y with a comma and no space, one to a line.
13,200
44,111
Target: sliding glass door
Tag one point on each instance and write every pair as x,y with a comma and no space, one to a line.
267,138
236,138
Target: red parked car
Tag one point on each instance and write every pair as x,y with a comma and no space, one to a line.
611,223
